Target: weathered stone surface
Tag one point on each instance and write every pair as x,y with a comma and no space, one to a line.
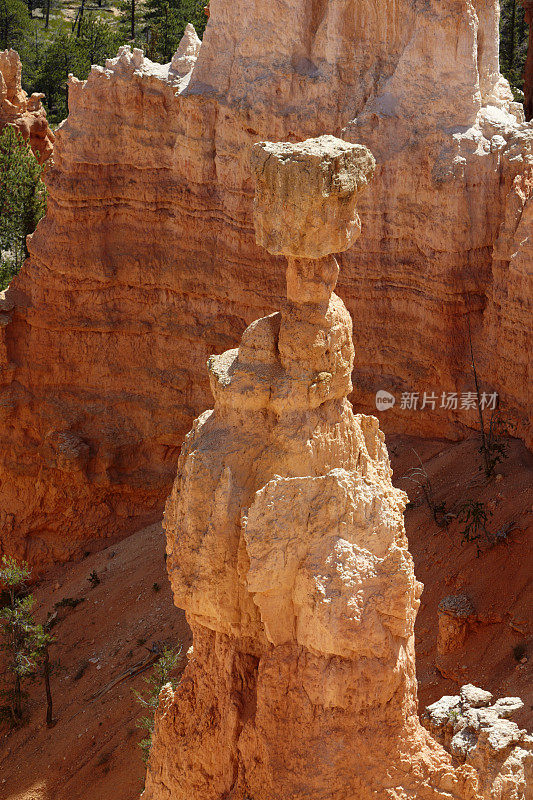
455,613
507,706
305,203
186,55
474,697
24,113
146,262
286,547
479,734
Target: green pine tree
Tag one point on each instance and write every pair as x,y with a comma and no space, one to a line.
60,57
160,675
16,626
25,642
165,22
513,45
97,42
14,23
22,201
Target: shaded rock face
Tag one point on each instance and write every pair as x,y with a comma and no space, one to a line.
24,113
286,546
146,261
478,732
455,613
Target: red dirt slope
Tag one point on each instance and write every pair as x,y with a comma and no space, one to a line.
92,752
498,581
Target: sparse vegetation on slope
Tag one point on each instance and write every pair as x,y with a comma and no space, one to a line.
497,582
101,642
25,641
161,674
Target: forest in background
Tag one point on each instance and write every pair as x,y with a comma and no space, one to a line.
514,36
56,37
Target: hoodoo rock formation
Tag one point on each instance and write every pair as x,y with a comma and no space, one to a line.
286,544
185,56
24,113
146,262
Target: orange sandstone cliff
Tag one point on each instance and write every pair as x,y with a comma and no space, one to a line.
146,261
24,113
287,547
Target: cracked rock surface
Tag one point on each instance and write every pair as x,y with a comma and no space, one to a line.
146,262
477,731
287,550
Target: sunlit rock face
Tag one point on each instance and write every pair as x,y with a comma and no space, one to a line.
286,544
186,55
25,114
478,732
146,262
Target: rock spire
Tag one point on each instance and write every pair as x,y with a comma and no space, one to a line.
286,543
25,114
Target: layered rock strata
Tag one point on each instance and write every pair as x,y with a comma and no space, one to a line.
146,260
286,544
24,113
478,732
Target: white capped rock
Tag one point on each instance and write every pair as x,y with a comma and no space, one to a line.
474,697
185,56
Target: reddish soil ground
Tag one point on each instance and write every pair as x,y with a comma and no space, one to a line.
92,752
498,581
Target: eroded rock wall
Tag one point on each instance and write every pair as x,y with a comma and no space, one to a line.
145,262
